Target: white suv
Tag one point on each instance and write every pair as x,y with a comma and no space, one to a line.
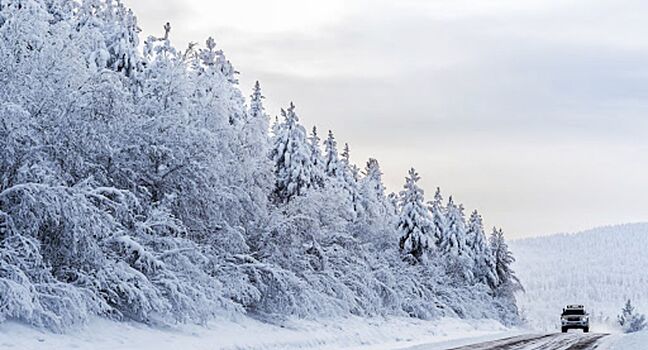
574,316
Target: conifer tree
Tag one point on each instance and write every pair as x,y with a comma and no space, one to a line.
346,154
255,129
483,265
453,245
372,190
276,126
394,203
349,178
118,27
331,159
438,212
292,158
414,222
124,43
629,320
508,283
256,111
253,147
318,173
453,242
373,177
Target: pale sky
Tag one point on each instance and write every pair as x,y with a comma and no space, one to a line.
535,112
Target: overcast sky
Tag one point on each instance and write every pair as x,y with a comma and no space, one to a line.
535,112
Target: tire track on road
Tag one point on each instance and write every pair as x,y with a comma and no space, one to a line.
557,341
587,344
506,343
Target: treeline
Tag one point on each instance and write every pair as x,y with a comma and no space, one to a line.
140,185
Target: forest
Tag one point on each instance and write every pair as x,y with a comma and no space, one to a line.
138,182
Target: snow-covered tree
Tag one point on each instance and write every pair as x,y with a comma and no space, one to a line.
349,176
373,177
393,201
114,41
372,191
438,212
291,155
414,222
483,262
212,65
257,124
629,320
508,282
331,158
318,174
346,154
453,242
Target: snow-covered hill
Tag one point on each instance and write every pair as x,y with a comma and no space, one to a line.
600,268
137,183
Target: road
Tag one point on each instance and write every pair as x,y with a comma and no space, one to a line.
554,341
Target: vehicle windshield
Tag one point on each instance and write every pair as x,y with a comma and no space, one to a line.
569,312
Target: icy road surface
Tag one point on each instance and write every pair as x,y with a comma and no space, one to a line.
554,341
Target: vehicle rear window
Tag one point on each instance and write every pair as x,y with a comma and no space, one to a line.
573,312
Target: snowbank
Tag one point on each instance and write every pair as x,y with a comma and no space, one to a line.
632,341
347,333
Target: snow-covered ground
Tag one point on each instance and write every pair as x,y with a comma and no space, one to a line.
245,333
600,268
634,341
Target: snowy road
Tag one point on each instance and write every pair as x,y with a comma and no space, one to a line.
554,341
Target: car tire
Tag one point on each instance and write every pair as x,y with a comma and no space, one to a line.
586,330
564,329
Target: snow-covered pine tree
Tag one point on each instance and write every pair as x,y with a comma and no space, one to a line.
438,212
453,242
318,173
116,41
257,124
393,202
629,320
453,246
275,127
253,147
331,158
346,154
292,158
483,264
372,190
414,222
123,41
373,177
508,283
256,110
349,179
